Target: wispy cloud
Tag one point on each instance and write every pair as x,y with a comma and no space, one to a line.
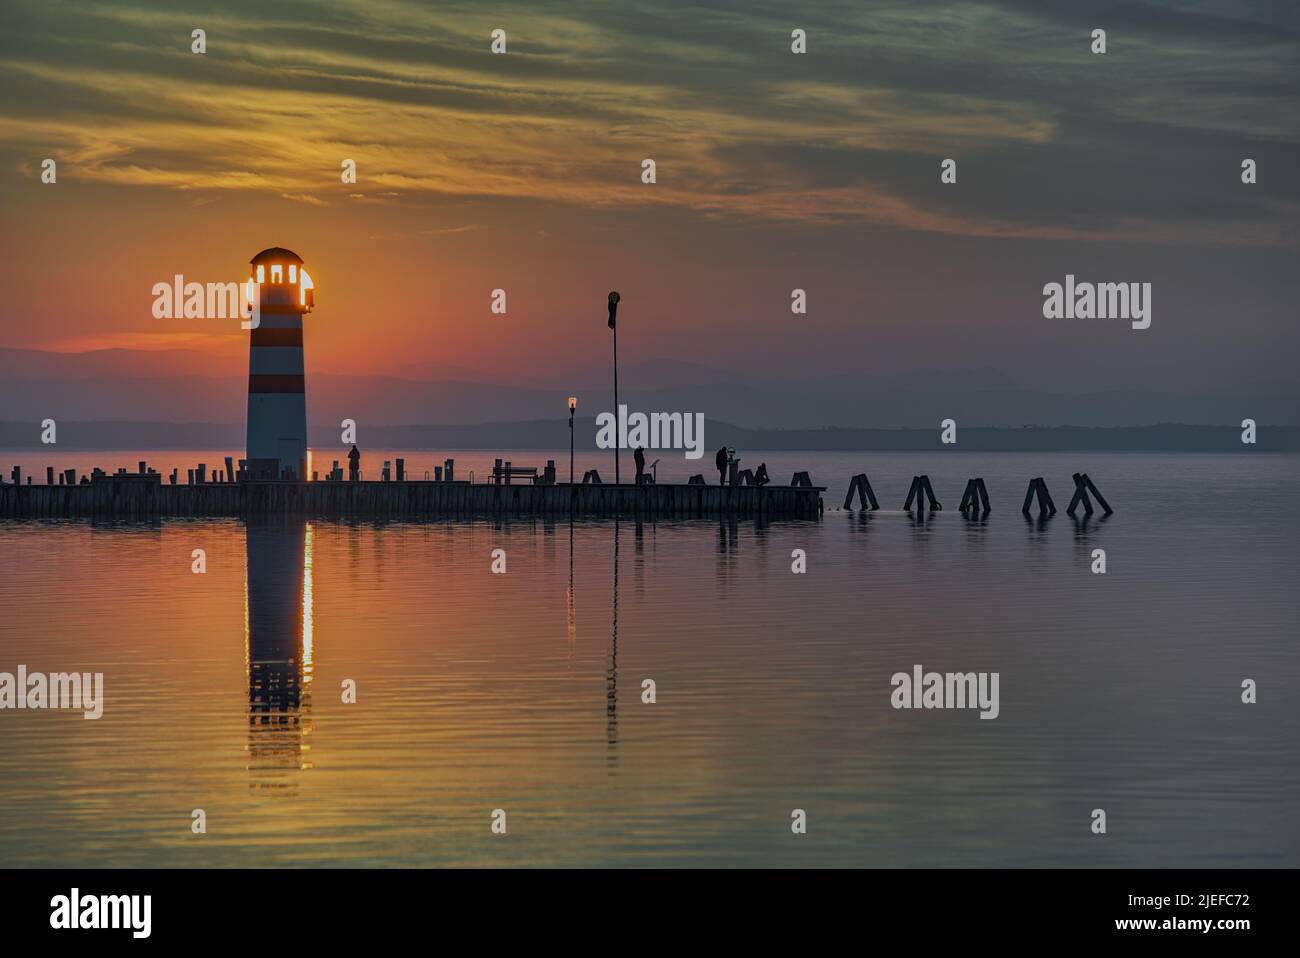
452,229
740,128
304,198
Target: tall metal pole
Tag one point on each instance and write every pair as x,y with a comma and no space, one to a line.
618,438
570,442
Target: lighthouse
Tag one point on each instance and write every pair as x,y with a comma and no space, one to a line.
277,399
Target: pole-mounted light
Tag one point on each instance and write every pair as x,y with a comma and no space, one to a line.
573,404
613,311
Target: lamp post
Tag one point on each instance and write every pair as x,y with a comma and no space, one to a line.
573,404
618,439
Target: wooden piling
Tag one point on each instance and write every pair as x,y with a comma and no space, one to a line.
929,493
1080,497
1096,493
967,496
862,486
1044,495
976,496
1037,487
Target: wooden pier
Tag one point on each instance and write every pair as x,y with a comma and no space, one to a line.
141,497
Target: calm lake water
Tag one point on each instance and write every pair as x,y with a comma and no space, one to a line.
522,691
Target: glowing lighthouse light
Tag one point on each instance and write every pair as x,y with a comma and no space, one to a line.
277,399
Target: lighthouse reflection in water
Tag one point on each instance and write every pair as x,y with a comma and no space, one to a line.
278,649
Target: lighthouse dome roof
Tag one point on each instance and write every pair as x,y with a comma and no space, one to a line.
278,253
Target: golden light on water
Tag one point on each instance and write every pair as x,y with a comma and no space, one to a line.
248,651
306,605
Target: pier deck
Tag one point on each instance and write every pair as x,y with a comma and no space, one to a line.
396,500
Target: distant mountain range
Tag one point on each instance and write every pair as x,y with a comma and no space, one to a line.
554,435
192,387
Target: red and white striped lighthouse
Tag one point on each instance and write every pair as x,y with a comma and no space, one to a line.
277,398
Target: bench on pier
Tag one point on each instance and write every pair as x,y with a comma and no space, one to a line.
506,473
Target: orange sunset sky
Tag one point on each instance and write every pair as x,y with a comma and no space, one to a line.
775,171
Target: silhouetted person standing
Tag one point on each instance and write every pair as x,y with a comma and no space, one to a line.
721,461
354,464
639,458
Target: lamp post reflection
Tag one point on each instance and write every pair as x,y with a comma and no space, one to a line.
611,677
571,601
278,651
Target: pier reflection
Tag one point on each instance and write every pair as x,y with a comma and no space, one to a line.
922,524
1086,524
728,551
976,525
278,651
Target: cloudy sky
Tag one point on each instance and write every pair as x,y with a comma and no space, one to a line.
775,171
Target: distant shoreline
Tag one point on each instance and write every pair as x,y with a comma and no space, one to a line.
552,435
